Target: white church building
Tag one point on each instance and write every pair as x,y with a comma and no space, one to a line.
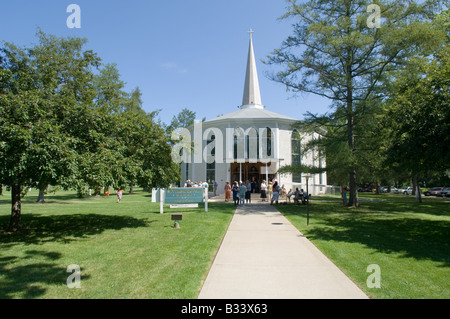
251,144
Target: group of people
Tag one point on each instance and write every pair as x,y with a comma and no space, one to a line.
242,193
189,183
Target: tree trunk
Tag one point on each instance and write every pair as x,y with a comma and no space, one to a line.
41,195
16,207
416,189
131,188
353,200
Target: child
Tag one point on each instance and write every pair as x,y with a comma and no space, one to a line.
119,196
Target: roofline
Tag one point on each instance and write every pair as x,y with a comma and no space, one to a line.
247,120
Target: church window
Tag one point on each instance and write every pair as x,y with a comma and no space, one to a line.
211,167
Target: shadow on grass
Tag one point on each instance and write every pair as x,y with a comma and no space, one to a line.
29,281
408,229
40,229
21,276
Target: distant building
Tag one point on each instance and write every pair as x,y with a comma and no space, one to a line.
251,144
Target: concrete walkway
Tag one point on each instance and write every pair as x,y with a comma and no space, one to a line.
264,257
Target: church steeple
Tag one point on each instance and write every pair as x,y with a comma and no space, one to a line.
252,94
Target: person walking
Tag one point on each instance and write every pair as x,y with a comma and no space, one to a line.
119,195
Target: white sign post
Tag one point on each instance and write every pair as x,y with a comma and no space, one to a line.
161,201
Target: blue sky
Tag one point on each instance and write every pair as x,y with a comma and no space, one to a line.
181,53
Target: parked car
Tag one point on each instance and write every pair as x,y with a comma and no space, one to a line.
445,192
394,190
405,191
384,189
366,189
434,191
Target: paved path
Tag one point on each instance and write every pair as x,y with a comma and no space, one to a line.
264,257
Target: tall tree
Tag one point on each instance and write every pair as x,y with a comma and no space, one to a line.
40,90
184,119
335,54
133,102
109,88
417,119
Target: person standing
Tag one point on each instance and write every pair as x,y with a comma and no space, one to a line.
227,191
297,196
248,193
263,191
215,185
304,197
276,192
242,193
269,191
344,196
235,190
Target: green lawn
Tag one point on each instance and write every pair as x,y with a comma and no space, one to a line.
409,241
129,250
125,250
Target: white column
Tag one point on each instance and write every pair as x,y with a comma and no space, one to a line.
161,201
276,141
240,172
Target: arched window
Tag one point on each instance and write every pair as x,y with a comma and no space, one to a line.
296,148
252,142
211,165
239,144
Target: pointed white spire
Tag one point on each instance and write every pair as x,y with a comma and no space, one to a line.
252,94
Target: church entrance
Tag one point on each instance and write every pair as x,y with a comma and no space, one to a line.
255,173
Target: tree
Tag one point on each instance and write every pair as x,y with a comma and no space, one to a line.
62,125
418,119
133,102
184,119
109,88
39,89
334,54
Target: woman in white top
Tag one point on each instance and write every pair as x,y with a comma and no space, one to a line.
263,191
